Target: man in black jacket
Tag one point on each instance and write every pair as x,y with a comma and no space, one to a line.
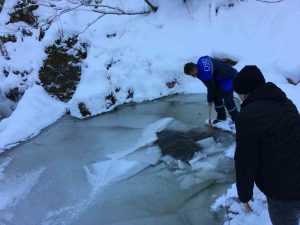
268,146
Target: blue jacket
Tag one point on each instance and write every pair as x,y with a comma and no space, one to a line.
216,75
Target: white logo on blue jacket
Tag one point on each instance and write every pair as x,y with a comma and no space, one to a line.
205,66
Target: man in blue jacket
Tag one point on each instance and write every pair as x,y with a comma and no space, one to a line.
217,77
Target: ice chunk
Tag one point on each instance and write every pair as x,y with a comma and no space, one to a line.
198,156
150,155
106,172
174,163
229,152
148,137
210,147
206,143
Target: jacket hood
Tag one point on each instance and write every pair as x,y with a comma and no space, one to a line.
268,91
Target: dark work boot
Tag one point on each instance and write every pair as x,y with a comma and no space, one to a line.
221,113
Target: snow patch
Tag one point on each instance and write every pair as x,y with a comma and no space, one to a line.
35,111
235,212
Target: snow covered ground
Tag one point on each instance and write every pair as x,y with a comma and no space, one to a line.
146,52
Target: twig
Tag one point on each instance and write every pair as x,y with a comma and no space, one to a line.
90,24
154,8
265,1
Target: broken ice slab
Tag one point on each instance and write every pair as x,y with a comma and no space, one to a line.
110,171
206,143
148,137
148,155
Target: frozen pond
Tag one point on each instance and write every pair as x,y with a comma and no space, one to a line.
107,171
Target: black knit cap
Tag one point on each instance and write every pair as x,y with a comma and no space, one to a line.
248,79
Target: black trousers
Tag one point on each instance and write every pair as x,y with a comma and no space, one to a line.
222,100
284,212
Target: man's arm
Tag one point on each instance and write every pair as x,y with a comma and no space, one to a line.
211,90
246,157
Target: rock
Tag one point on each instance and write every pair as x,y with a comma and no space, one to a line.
13,94
1,4
84,109
23,11
130,94
3,51
171,84
4,39
110,100
178,144
8,38
61,71
290,81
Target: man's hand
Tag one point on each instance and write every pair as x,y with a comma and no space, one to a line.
247,208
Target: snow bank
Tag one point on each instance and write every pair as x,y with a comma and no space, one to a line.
35,111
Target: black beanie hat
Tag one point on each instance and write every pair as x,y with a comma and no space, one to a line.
248,79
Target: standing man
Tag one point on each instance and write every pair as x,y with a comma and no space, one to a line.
267,146
217,77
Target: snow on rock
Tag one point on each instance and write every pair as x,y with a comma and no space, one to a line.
34,112
61,71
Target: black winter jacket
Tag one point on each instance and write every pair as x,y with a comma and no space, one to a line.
268,145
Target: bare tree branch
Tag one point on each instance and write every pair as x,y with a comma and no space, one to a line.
120,12
265,1
154,8
80,5
90,24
